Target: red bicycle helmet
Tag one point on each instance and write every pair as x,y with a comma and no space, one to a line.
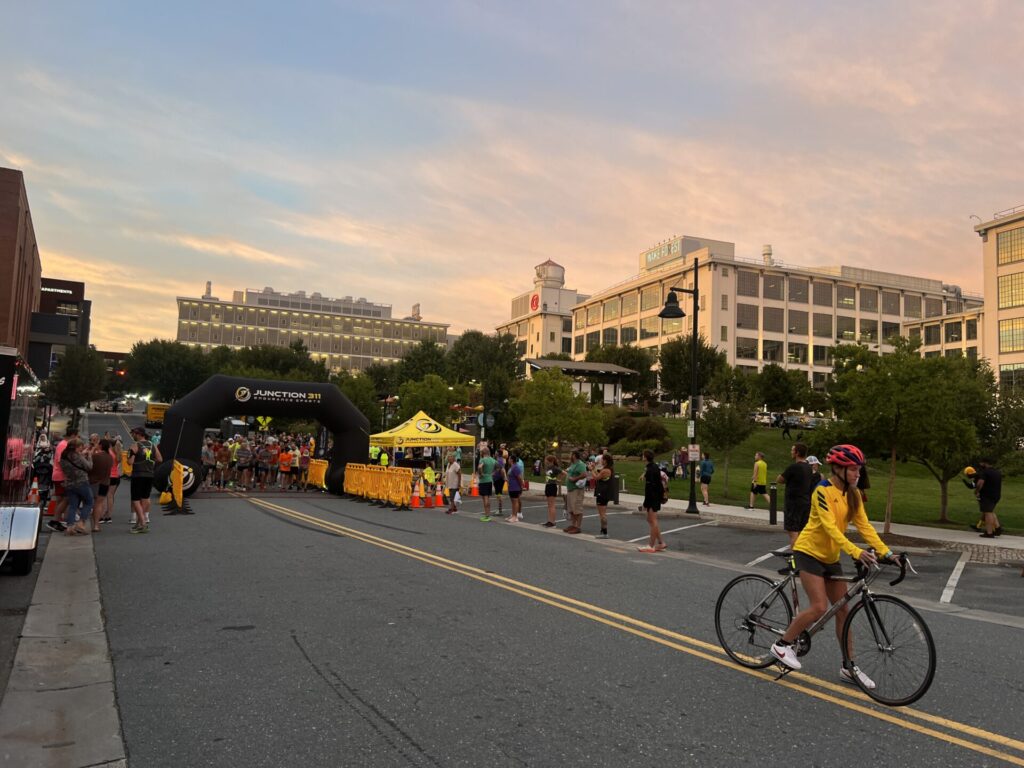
845,456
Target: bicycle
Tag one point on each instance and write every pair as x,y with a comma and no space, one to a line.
893,644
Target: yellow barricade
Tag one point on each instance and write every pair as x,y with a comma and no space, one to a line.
318,472
369,481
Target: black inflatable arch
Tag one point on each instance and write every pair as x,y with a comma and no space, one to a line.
222,396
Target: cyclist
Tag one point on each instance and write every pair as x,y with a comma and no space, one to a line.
835,503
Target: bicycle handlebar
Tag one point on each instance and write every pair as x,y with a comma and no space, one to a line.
903,562
900,560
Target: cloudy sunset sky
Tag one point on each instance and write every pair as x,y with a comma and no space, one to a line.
434,152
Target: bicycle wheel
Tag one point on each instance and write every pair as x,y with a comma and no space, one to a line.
750,615
893,646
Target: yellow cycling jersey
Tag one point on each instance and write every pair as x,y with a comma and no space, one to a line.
824,535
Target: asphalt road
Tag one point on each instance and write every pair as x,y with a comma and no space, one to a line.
308,630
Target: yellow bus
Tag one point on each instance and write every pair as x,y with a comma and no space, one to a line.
155,414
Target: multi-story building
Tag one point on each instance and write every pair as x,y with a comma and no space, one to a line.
1003,267
761,311
345,333
959,334
20,268
541,320
62,321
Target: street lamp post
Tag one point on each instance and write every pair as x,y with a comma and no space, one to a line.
672,311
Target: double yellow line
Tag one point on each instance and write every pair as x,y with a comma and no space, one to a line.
842,696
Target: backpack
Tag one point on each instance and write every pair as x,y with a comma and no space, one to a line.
664,487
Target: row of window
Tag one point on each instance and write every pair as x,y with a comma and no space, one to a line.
771,351
955,331
323,323
1011,290
250,337
522,330
1011,377
1011,335
651,297
797,321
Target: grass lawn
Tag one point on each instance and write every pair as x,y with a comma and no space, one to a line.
917,493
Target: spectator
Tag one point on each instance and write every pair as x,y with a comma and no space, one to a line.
99,481
515,488
485,483
551,474
797,478
142,457
76,464
707,469
815,465
604,479
575,480
989,490
57,524
759,480
654,492
453,481
115,478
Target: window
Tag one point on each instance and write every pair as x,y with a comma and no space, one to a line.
797,353
746,316
822,355
650,327
932,307
954,306
703,302
890,303
746,282
628,304
650,297
628,333
581,319
773,286
798,322
671,327
869,330
915,333
972,353
798,290
593,340
610,310
931,335
868,300
822,324
725,333
610,336
771,351
889,330
578,345
1010,246
912,306
846,296
954,353
594,314
774,319
1011,290
823,295
566,325
845,328
725,271
746,348
551,337
971,327
725,301
819,381
1011,377
1011,335
953,331
566,345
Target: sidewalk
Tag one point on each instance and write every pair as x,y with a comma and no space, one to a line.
1004,548
59,708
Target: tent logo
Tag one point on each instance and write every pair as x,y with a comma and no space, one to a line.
429,426
242,394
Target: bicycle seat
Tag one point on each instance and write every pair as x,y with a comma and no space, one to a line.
787,555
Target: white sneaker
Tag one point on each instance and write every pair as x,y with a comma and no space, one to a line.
786,654
846,675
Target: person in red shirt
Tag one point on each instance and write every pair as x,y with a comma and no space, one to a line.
284,463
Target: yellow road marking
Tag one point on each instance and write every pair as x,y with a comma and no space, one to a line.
673,640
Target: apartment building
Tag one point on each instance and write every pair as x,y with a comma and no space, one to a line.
20,267
761,311
1003,267
346,333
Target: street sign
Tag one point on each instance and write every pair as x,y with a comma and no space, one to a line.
690,428
694,451
485,420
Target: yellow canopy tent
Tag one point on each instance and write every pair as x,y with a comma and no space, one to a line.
421,431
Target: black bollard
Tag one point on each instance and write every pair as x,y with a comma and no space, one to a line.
773,504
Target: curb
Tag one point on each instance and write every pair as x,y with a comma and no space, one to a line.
60,707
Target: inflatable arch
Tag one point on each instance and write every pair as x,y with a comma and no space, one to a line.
222,396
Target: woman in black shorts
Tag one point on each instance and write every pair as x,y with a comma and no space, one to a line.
551,475
604,476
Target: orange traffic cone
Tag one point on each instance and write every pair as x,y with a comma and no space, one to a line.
416,492
439,496
33,495
428,499
51,507
474,490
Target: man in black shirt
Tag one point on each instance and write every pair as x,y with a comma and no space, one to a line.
798,479
988,488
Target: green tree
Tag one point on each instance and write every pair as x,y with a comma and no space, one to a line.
79,378
474,354
431,394
427,357
291,363
732,385
775,388
547,410
643,384
166,369
674,360
385,378
362,393
723,428
847,359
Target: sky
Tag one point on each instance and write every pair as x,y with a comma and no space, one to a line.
435,152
